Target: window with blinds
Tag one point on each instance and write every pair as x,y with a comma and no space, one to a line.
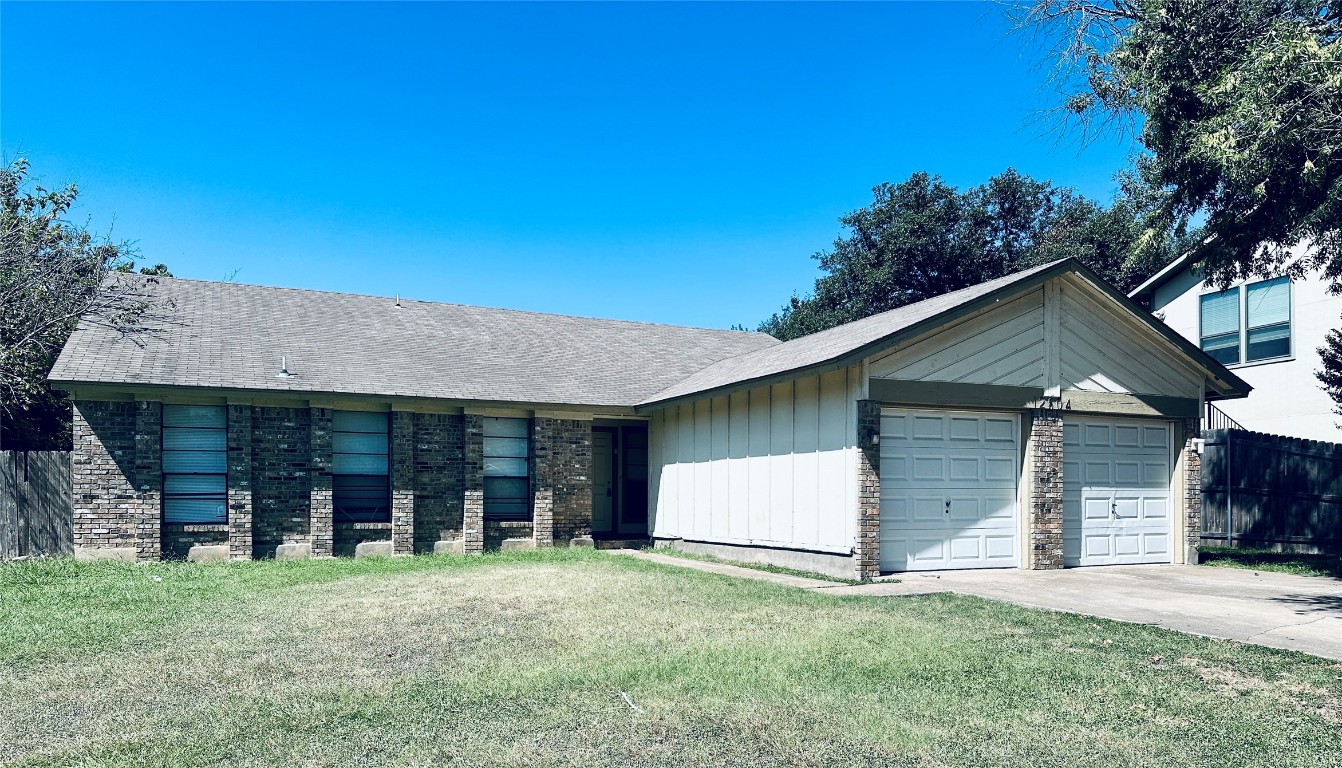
360,490
1220,326
1267,319
195,464
1266,311
507,468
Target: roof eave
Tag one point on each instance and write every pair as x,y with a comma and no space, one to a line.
1024,283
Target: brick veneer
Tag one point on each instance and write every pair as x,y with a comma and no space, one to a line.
281,450
439,478
402,483
1192,491
473,484
867,550
107,509
279,483
240,482
1044,510
562,503
321,509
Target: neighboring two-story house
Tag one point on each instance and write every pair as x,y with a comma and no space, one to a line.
1268,332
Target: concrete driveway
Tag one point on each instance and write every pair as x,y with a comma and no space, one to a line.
1300,613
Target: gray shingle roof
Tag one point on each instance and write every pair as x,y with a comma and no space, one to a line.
835,343
231,336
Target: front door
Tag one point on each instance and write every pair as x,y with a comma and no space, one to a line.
603,482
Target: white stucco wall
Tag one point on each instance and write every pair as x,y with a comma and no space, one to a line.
1286,397
771,466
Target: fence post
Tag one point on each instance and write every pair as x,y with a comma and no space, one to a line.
1230,515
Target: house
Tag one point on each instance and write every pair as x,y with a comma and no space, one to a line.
1268,331
1039,420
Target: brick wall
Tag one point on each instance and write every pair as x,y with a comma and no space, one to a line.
1044,511
473,483
439,478
867,551
240,482
402,477
563,480
321,502
281,447
107,511
1192,491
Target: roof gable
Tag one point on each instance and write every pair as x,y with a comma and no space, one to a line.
860,339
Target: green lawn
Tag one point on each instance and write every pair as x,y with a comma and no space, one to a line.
527,659
1267,560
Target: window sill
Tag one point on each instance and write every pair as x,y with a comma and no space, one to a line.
1256,363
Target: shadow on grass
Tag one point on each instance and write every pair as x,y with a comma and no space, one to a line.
1267,560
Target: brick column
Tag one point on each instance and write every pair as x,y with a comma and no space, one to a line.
562,488
240,482
321,513
1044,513
473,506
867,549
1192,491
149,480
402,483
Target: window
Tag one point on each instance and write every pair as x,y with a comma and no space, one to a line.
1267,316
195,464
1264,308
1220,326
359,488
507,448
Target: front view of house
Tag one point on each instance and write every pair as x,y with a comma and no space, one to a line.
1039,420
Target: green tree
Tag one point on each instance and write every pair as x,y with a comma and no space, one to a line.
922,238
51,273
1238,109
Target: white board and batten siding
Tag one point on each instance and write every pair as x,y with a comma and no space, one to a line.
772,466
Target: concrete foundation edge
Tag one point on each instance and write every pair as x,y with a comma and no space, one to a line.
841,566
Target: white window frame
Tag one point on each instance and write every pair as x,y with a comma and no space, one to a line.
1242,292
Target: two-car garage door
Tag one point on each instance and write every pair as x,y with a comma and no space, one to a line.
950,497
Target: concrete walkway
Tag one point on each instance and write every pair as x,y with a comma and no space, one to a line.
1278,610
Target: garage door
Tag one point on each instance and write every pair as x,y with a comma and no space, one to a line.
1116,492
948,490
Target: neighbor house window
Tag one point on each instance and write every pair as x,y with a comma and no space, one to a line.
507,468
1262,310
359,488
195,464
1220,326
1267,318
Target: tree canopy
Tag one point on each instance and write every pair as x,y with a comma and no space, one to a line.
922,237
1238,107
52,271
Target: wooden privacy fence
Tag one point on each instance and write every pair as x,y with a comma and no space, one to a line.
1262,490
36,503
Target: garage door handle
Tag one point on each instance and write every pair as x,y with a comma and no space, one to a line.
1113,509
948,506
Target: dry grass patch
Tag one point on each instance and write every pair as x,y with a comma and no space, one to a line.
585,658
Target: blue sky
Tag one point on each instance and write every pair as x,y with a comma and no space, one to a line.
668,163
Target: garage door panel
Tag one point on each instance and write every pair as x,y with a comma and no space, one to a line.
1116,492
948,492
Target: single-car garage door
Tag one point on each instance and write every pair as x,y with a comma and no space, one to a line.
1116,491
948,490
